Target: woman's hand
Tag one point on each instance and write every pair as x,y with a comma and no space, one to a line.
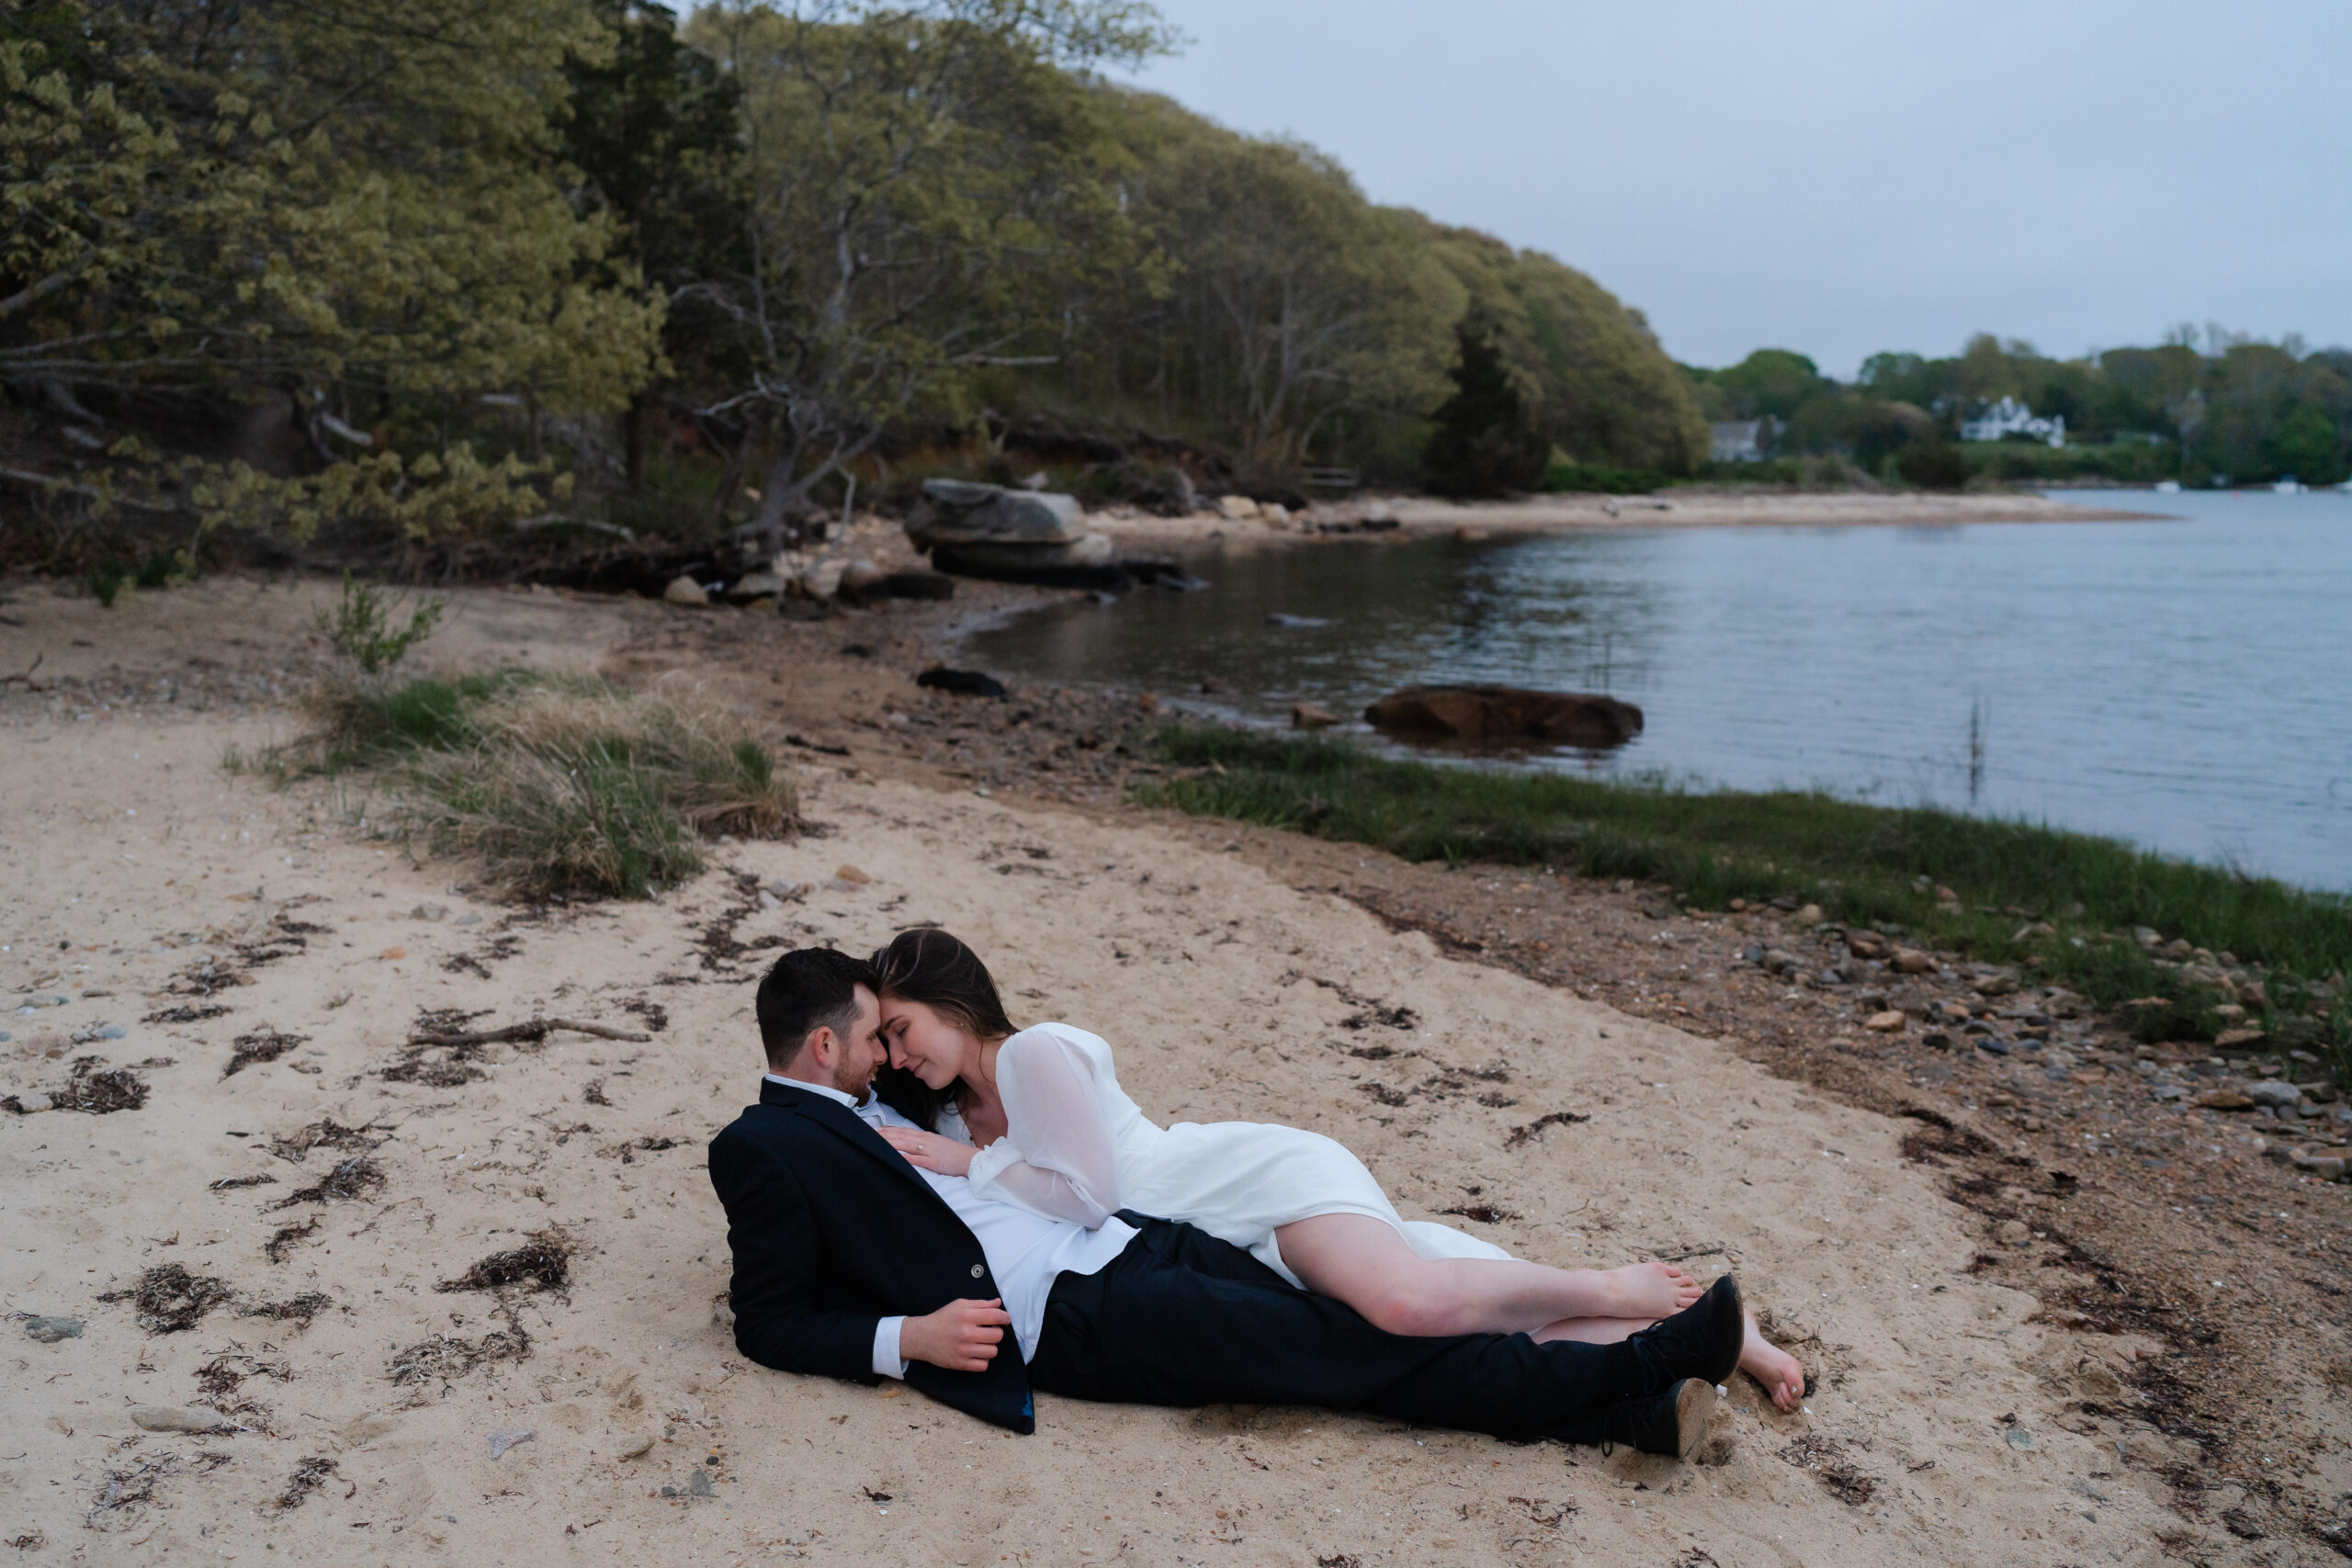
929,1151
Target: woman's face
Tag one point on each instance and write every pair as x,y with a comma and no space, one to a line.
924,1044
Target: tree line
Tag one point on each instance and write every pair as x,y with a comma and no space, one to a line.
2205,407
429,269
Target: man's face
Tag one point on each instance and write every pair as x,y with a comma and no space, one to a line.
863,1050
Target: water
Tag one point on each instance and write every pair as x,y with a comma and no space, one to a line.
2185,685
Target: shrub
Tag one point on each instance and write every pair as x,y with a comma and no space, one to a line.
561,789
1599,479
360,626
1933,465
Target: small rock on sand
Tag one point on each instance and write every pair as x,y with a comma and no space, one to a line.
50,1330
851,875
501,1442
1885,1022
1910,961
685,591
2012,1233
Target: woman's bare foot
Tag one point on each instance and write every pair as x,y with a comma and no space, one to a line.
1647,1291
1771,1367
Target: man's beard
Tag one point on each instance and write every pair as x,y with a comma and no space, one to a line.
854,1082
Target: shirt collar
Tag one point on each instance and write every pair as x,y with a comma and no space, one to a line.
828,1091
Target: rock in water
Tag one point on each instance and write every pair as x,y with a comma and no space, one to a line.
962,682
1506,713
995,560
914,585
685,591
955,511
1311,716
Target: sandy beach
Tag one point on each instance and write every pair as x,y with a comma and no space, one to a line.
366,1403
1693,507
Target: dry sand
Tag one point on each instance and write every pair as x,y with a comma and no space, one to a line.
1932,1436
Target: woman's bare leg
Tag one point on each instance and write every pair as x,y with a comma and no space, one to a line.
1363,1262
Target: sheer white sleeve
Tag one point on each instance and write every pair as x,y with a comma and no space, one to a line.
1056,1159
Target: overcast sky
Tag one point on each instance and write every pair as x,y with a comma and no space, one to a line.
1840,178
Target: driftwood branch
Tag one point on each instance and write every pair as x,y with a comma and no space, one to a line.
529,1033
58,482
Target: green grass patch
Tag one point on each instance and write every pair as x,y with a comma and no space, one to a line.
569,788
2065,905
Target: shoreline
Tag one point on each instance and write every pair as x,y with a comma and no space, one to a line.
1694,507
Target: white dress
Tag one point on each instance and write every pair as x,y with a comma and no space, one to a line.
1077,1148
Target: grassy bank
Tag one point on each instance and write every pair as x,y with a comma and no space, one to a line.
571,788
2064,906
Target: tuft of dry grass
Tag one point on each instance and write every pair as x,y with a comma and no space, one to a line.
560,788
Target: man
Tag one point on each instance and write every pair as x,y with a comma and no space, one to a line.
852,1263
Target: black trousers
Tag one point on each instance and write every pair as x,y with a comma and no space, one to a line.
1182,1318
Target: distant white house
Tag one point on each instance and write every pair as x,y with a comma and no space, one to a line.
1737,441
2009,417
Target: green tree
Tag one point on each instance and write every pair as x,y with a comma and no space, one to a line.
654,126
345,195
927,184
1771,382
1277,303
2308,447
354,206
1484,443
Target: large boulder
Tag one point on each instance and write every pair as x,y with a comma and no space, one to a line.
957,511
1092,549
1042,566
1506,713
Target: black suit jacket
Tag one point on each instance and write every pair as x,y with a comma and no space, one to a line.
832,1230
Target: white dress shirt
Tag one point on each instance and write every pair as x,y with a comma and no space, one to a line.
1025,1252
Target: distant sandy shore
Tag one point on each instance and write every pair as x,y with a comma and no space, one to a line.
1692,508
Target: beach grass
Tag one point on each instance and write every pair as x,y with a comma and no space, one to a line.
565,788
2064,906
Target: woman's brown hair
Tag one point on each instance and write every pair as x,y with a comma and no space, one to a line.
930,966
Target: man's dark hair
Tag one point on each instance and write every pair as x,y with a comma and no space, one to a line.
812,988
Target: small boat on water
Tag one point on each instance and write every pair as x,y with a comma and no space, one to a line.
2167,487
2290,486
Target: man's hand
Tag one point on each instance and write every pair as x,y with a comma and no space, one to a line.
962,1336
929,1151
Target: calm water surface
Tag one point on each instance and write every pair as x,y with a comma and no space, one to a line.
2186,684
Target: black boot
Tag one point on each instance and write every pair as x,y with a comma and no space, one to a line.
1669,1423
1701,1341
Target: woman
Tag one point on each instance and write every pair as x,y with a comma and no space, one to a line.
1037,1117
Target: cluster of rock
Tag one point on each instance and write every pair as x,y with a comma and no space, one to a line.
1986,1007
754,566
1036,536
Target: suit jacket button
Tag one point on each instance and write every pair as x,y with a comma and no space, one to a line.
978,1269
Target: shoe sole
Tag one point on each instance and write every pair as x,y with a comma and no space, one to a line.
1729,1286
1694,1401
